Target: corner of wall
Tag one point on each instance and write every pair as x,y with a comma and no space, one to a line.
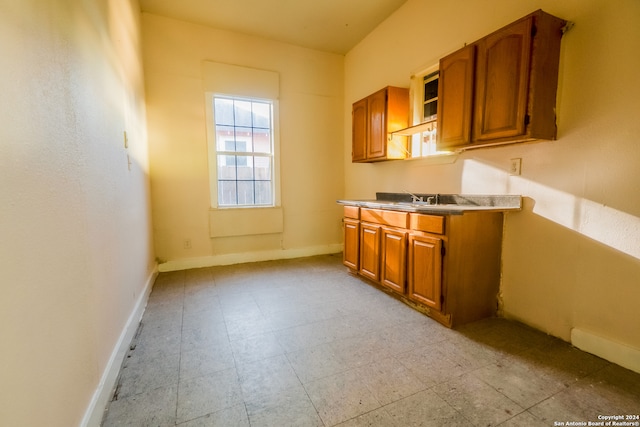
96,409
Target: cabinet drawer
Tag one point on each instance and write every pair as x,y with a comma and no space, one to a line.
378,216
427,223
352,212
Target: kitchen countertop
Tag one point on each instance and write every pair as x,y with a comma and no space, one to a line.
441,204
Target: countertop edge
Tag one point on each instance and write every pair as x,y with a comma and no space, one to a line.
431,209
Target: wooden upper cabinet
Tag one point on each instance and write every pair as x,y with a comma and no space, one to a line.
373,119
455,96
377,144
503,87
359,131
503,82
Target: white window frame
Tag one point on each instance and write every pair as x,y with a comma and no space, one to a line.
416,93
213,152
427,130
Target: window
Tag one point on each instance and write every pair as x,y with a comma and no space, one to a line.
424,107
424,143
430,103
244,151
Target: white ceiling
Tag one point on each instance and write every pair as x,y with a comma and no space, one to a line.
328,25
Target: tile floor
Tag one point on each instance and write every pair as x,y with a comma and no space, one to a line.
304,343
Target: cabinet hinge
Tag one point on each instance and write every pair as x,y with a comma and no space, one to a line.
441,299
568,26
534,30
442,250
527,119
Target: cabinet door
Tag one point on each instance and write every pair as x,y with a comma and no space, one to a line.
351,243
425,270
394,249
370,251
377,105
359,131
455,96
502,82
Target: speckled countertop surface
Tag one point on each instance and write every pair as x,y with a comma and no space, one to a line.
442,204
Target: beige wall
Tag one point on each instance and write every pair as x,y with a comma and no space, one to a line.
571,257
311,167
76,251
75,245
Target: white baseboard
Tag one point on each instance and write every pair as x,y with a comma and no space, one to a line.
228,259
95,411
618,353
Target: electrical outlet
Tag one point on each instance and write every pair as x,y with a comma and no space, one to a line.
187,243
515,167
126,140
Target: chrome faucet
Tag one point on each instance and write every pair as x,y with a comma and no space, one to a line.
431,198
414,198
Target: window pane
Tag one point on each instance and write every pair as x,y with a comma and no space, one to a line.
431,90
225,138
223,111
245,167
262,168
415,145
229,145
263,193
242,111
245,193
227,167
227,193
430,109
262,141
261,115
244,139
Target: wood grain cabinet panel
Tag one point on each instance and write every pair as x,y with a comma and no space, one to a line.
377,115
394,250
455,98
385,217
351,253
359,131
425,270
370,251
373,120
502,82
428,223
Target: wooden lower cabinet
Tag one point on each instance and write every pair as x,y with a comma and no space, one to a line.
351,251
370,251
425,270
394,250
445,266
